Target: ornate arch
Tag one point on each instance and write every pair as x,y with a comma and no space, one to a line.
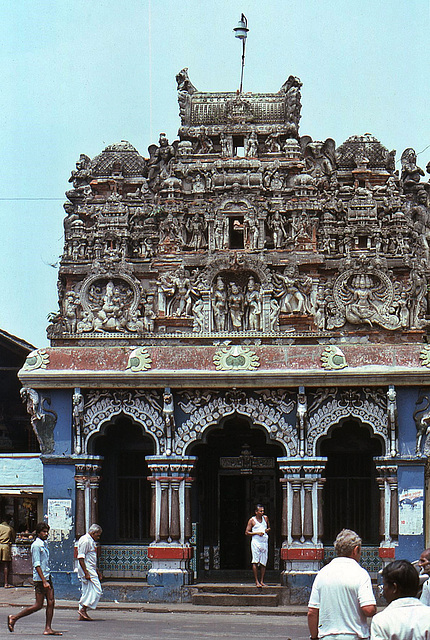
102,406
263,411
370,409
238,262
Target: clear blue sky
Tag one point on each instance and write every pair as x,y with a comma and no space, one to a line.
78,75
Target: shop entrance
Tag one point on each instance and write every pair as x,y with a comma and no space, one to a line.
236,469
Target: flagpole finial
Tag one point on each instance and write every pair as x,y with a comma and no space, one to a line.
241,32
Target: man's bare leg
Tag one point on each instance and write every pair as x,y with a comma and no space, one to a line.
83,613
262,573
6,567
50,603
255,572
26,612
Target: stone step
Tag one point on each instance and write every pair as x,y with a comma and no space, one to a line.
238,589
235,600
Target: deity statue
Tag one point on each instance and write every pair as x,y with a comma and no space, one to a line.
110,316
411,173
320,157
274,315
70,315
225,150
252,145
196,227
251,233
82,176
253,306
271,143
219,305
219,233
236,307
169,230
198,315
291,291
204,144
159,162
276,224
182,293
149,314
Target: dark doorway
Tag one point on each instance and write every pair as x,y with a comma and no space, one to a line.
124,494
236,232
236,468
350,495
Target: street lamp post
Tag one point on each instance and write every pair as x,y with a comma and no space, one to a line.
241,32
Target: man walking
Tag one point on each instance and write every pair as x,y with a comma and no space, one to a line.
405,617
88,573
42,582
342,596
7,538
258,527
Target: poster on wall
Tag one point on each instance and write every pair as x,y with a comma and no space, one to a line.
59,519
411,510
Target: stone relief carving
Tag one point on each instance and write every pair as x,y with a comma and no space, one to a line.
78,419
169,419
425,355
145,407
330,406
139,360
38,359
302,420
218,407
43,419
236,358
392,419
333,358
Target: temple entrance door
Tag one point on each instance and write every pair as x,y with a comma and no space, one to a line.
236,468
351,495
238,495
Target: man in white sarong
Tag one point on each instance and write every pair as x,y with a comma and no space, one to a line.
88,573
258,527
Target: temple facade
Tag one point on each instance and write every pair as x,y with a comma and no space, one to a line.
243,318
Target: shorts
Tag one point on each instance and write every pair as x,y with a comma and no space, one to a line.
39,588
5,554
259,554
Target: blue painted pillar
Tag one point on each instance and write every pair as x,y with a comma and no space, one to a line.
411,481
59,494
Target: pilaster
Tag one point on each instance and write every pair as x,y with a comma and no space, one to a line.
302,549
170,552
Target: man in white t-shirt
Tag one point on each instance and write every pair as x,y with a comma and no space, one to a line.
342,597
88,573
405,618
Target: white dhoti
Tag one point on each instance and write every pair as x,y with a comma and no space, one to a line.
91,591
259,549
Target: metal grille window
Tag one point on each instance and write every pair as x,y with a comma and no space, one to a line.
133,497
350,498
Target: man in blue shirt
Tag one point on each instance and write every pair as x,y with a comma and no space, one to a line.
42,582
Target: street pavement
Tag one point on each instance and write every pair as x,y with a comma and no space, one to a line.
144,625
148,621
